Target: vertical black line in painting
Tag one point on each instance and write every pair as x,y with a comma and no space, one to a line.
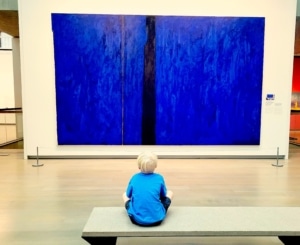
122,73
149,98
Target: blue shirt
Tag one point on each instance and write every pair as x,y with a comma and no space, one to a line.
145,191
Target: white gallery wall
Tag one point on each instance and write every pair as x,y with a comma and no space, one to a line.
38,76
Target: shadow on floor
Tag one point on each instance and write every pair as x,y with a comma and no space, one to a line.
15,145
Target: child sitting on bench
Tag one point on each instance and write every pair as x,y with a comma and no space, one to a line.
147,198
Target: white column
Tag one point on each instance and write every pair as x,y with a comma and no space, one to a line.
17,85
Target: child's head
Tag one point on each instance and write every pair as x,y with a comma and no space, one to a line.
147,162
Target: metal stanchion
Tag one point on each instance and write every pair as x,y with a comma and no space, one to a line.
277,163
37,159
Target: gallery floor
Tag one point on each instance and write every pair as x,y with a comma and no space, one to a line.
50,204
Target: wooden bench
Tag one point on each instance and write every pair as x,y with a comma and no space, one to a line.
106,224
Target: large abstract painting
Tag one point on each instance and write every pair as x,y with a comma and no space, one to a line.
158,80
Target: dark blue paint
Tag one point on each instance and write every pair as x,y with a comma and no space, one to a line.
208,79
97,71
135,39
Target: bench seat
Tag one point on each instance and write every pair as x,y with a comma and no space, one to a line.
106,224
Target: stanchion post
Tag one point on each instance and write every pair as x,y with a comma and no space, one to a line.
277,160
37,159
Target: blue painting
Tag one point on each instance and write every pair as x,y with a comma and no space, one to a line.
158,80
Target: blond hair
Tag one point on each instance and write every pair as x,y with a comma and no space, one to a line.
147,162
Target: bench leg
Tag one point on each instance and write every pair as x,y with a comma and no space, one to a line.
290,240
102,240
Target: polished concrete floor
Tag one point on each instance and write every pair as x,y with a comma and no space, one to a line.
50,204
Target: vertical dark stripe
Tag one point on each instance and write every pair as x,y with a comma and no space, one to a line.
149,104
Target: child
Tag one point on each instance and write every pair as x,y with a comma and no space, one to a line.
146,198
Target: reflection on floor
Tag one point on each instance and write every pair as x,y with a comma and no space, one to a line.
295,137
14,145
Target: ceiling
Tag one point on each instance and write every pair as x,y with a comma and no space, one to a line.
9,22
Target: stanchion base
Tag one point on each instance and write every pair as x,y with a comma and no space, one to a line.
40,165
277,165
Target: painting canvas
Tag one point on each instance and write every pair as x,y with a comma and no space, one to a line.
158,80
